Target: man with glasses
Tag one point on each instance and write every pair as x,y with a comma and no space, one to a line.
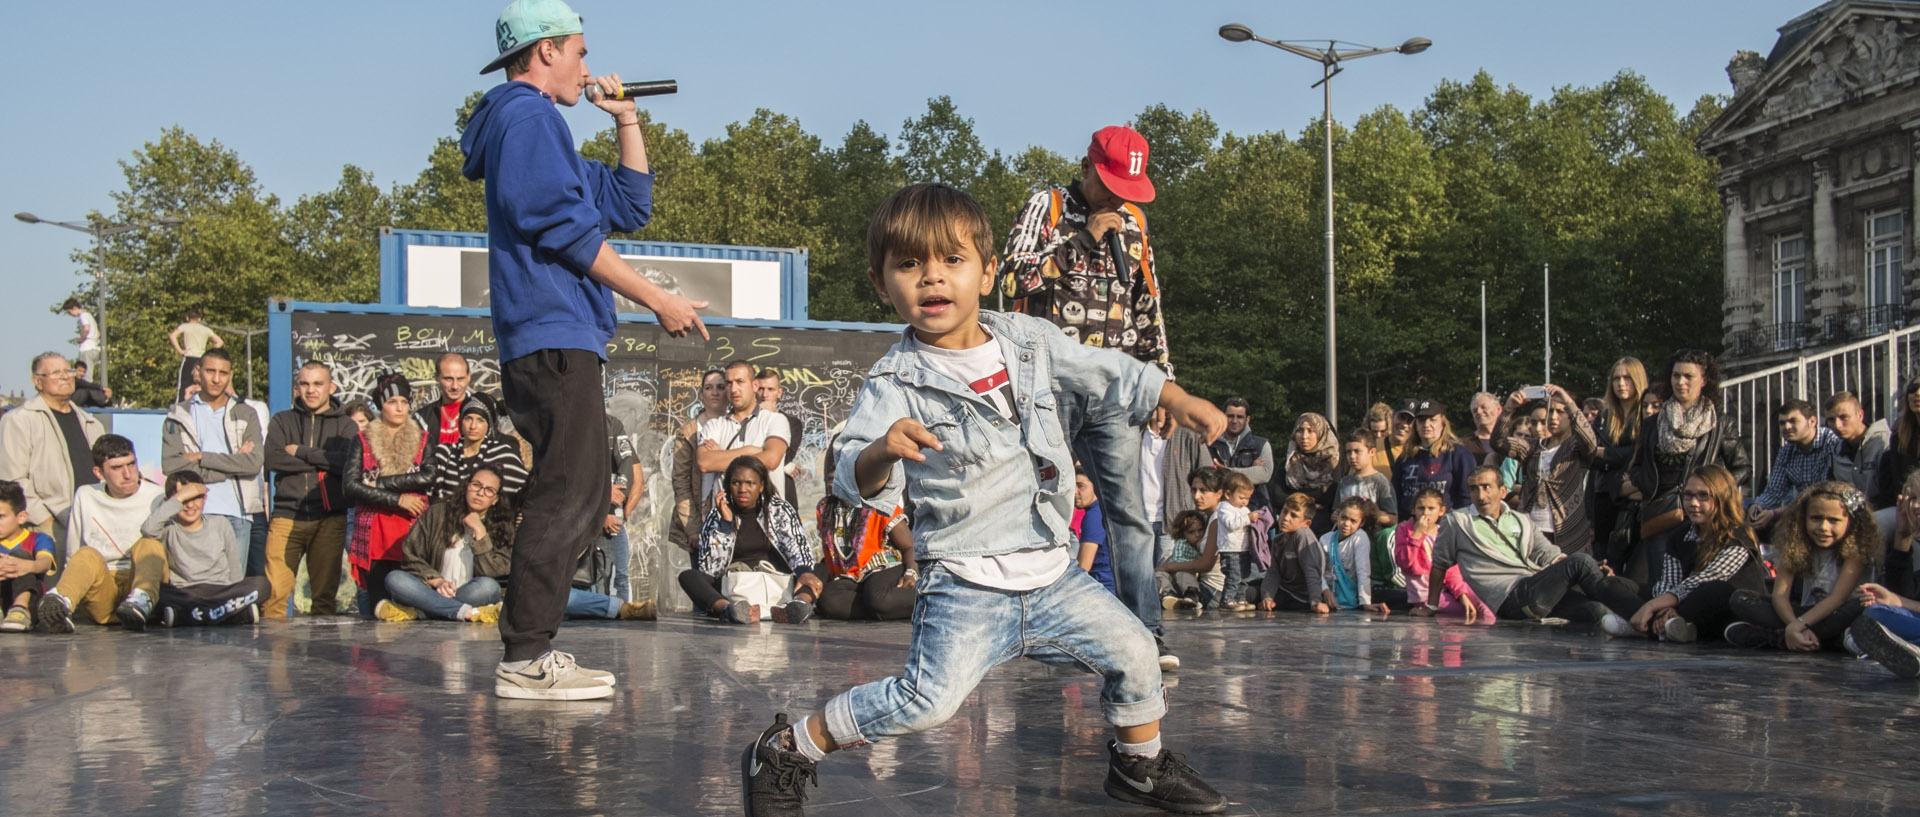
46,445
1244,452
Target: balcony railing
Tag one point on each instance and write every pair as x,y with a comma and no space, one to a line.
1826,330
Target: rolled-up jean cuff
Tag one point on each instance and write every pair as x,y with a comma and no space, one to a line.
840,722
1137,713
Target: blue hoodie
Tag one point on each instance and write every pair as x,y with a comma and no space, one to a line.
548,212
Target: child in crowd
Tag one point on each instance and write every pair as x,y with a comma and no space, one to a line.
1230,521
26,556
1825,545
205,574
1297,580
1091,529
1190,578
964,413
1202,556
1350,556
1413,553
1363,478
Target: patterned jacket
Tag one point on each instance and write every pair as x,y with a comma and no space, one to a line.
1055,270
777,518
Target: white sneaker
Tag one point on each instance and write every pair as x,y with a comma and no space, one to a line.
1681,631
547,679
600,675
1612,624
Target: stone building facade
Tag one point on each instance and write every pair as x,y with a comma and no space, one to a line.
1817,150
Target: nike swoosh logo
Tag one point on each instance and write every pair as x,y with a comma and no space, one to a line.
1145,787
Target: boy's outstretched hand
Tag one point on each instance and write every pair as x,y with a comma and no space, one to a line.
1193,412
904,441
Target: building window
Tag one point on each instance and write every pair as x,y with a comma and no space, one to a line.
1789,290
1886,305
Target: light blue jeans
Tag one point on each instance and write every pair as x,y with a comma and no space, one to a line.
1108,448
962,630
618,552
1898,620
411,591
588,604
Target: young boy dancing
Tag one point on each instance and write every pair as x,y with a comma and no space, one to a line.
959,422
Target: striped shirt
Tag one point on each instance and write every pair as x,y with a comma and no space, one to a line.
452,469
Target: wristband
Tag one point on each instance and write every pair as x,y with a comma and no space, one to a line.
619,124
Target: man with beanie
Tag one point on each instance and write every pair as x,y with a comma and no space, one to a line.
553,276
1078,256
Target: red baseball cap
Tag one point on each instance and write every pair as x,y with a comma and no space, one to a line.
1119,155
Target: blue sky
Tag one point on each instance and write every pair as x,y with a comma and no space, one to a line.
300,89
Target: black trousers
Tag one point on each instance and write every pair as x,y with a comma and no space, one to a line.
1757,608
201,605
557,402
1571,588
877,597
31,584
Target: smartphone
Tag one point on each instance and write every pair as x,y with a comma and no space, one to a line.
1534,392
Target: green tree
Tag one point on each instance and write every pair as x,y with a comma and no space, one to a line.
940,146
850,182
334,238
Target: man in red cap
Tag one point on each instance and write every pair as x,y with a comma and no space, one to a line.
1078,256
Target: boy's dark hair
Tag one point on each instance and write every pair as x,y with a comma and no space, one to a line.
922,217
1235,401
13,496
110,447
1211,479
217,353
768,373
1237,481
194,315
1593,404
72,303
179,478
1363,435
1805,408
523,61
1185,521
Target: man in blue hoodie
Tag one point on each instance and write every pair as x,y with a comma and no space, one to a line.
553,275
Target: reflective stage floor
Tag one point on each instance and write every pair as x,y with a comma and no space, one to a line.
1287,715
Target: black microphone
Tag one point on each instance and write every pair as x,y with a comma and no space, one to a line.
629,90
1117,255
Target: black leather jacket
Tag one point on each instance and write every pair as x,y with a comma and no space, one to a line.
1716,447
383,491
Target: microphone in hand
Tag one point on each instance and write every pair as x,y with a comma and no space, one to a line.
629,90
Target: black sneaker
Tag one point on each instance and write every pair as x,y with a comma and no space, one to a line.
55,615
1164,782
132,615
1752,636
1880,644
1168,661
773,774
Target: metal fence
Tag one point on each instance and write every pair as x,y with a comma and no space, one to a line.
1872,369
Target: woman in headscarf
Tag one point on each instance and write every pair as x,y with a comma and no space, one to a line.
1312,466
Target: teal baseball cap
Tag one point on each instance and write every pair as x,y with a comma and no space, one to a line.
525,22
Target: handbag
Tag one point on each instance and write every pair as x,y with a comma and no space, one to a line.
761,589
594,570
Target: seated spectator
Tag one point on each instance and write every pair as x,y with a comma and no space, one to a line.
1806,456
86,393
750,528
111,574
1901,524
1554,446
1434,458
26,556
1824,548
1091,526
1297,580
1887,629
1201,558
206,575
1413,553
1703,563
1861,445
871,570
1182,578
1230,522
387,479
454,558
1350,557
480,445
1508,563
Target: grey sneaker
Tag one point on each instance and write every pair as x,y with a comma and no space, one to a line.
55,614
740,612
1681,631
774,775
566,658
1898,655
1612,624
134,611
793,612
547,679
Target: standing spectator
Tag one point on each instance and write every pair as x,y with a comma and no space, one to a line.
767,389
689,495
108,574
1685,435
26,557
220,438
1485,410
89,332
1615,501
1380,425
478,446
206,582
629,487
1433,458
1861,445
1401,434
1805,458
1902,457
190,341
1508,564
1591,409
307,450
1169,453
1362,478
387,484
1312,465
86,393
748,431
1553,452
1244,452
45,446
441,418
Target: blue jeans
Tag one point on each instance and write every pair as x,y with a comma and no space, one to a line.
962,630
243,540
410,590
1162,544
1898,620
588,604
256,544
618,553
1108,448
1233,567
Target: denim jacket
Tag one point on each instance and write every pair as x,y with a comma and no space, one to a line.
962,501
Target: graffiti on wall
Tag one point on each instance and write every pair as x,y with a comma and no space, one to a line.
652,385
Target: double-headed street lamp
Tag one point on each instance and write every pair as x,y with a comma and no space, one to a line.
1329,58
100,233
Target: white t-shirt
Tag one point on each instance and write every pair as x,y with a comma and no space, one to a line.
89,332
1231,522
759,427
1542,515
1153,458
456,564
983,368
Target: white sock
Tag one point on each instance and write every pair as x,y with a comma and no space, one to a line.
803,741
515,666
466,612
1149,748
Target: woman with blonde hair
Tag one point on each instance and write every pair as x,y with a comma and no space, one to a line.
1433,458
1380,424
1616,428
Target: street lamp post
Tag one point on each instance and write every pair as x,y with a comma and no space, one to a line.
100,233
1329,59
